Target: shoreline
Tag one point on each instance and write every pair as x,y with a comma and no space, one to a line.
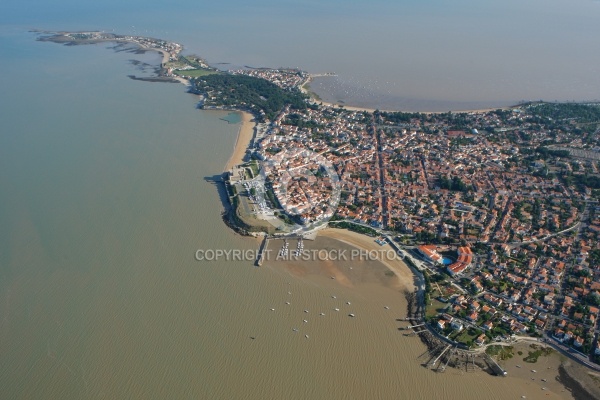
314,97
242,142
405,276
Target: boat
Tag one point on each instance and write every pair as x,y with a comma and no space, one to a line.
351,315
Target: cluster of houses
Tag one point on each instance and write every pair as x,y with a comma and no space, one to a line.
422,177
302,182
468,178
284,78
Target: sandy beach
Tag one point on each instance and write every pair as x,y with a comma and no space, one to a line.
352,108
243,140
399,268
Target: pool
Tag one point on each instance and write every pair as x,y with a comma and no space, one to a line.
447,261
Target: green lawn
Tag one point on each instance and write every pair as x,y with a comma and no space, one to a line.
435,307
195,73
465,336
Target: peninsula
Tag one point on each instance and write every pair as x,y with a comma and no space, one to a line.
498,211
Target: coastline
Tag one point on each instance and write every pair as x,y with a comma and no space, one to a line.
371,110
406,279
317,100
244,137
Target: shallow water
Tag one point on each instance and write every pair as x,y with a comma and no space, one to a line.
105,195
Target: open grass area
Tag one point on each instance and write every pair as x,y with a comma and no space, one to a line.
467,336
195,73
435,307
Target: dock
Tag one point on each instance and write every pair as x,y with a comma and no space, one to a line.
494,366
432,363
261,251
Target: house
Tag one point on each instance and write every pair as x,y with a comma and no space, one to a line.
480,341
539,324
567,336
456,325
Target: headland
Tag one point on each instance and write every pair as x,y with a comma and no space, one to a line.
508,197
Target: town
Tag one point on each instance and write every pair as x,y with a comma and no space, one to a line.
498,209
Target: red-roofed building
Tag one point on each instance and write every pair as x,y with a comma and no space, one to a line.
430,253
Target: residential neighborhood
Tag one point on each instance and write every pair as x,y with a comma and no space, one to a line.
501,206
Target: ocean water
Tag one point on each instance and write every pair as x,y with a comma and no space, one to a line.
411,55
106,192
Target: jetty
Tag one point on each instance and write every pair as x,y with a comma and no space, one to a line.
432,362
261,251
497,369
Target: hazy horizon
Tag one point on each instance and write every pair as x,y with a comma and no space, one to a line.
407,54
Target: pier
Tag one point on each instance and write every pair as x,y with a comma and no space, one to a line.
261,252
494,366
432,363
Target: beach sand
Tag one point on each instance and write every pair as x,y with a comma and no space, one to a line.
348,270
406,279
243,140
352,108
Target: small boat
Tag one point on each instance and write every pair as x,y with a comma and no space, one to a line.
304,320
336,309
386,307
306,336
348,303
322,314
295,329
351,315
533,370
333,297
287,302
306,311
272,309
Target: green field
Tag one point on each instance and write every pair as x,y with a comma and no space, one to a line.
195,73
